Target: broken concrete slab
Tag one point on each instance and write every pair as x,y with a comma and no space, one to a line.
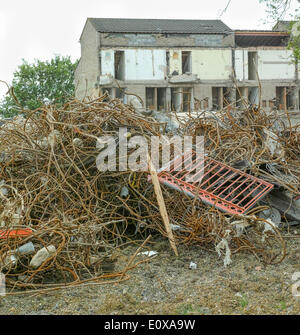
283,204
184,78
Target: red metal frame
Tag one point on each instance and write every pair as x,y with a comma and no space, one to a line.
215,183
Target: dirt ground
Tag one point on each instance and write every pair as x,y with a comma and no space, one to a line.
166,285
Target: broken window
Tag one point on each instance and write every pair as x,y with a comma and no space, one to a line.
119,65
252,65
186,61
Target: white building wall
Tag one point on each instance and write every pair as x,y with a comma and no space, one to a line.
275,64
241,64
212,64
141,64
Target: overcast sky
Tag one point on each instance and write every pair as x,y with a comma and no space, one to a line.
39,29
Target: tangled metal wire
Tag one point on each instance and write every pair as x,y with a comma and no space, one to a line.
48,169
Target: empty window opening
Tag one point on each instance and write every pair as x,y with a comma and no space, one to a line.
186,99
109,92
186,61
119,65
151,98
204,103
220,97
176,97
161,99
226,96
284,98
156,98
253,95
252,65
242,97
167,63
120,93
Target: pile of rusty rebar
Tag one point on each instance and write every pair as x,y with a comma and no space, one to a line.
50,184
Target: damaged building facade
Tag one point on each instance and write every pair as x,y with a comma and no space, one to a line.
182,64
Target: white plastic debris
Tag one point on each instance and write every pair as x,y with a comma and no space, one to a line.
176,227
10,260
240,226
11,214
268,226
25,249
3,189
42,255
77,142
224,245
148,253
272,143
193,266
124,192
53,137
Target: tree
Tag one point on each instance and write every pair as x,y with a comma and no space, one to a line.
277,10
38,83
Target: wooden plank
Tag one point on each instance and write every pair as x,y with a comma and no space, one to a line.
162,206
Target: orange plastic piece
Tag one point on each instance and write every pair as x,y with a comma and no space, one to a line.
15,233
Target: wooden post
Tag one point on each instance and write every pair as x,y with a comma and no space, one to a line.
161,204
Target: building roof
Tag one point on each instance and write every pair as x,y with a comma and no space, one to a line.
160,26
256,38
282,25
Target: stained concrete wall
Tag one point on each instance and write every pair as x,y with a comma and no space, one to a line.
107,62
275,64
175,63
88,68
145,64
166,40
213,64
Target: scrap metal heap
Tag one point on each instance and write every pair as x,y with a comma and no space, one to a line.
61,218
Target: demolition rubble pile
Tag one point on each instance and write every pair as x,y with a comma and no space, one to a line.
61,218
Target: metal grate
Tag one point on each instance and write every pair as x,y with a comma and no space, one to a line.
215,183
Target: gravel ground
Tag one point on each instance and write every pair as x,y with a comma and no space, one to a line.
166,285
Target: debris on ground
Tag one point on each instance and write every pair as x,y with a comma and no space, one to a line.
76,216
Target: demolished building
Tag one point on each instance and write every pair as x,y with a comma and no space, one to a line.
168,63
